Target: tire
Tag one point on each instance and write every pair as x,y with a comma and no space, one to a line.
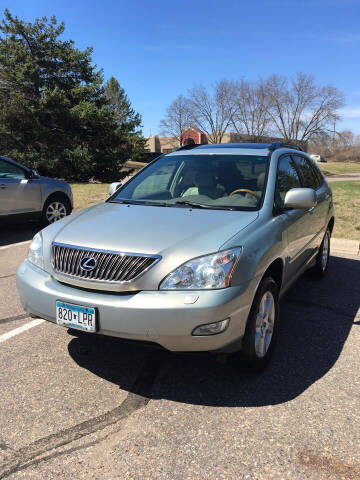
260,336
322,258
55,208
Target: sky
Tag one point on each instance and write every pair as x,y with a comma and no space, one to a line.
158,49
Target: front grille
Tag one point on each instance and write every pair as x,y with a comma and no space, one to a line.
110,266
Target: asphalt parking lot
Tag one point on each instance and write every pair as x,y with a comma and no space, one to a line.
89,407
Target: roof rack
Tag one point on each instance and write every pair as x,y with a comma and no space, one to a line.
190,146
276,145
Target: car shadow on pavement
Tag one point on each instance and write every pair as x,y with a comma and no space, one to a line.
17,232
316,318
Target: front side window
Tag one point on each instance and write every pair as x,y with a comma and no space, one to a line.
208,181
8,170
287,178
307,174
317,172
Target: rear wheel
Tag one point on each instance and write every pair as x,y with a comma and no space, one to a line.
55,208
262,326
322,258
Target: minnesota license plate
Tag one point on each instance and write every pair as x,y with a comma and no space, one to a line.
76,316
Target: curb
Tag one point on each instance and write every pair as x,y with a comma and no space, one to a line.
342,176
5,247
341,245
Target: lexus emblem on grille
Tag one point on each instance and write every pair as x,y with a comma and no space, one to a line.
88,264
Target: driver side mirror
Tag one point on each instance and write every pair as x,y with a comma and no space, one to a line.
113,187
32,175
300,199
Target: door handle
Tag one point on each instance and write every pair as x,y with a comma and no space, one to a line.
3,186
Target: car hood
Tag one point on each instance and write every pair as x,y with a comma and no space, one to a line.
152,230
54,181
176,234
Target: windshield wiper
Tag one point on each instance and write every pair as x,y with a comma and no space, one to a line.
142,202
190,204
201,205
179,202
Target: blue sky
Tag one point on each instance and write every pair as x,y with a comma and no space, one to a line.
158,49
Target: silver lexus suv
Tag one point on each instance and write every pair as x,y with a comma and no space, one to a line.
192,253
25,194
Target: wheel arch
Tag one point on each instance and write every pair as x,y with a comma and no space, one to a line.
276,271
60,195
331,224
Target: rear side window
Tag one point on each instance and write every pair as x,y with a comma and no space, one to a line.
287,178
308,177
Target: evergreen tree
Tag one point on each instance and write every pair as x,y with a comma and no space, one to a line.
129,122
54,115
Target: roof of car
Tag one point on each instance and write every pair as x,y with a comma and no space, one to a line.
258,149
256,146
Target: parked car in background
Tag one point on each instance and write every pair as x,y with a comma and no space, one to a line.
192,253
318,158
26,194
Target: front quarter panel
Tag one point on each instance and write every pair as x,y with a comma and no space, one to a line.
51,185
262,243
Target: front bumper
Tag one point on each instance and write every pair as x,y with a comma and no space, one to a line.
164,317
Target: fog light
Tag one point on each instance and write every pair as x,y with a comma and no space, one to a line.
211,328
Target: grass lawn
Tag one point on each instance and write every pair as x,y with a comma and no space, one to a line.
87,194
347,209
336,168
346,200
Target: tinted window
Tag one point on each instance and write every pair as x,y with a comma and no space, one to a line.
317,173
219,181
306,172
8,170
287,178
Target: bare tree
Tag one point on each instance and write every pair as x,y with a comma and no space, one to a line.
346,139
177,118
251,114
294,109
321,143
300,109
212,112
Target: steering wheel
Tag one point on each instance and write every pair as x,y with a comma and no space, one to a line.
243,190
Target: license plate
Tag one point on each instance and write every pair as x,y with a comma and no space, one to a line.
76,316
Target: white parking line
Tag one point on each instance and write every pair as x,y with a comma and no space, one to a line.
21,329
15,245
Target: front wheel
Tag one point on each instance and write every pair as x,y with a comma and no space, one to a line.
262,326
55,209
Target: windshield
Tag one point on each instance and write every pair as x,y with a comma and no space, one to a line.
235,182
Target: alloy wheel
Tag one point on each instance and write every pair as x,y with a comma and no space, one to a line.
325,252
55,212
264,324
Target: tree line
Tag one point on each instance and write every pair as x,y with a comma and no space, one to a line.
59,116
56,113
295,108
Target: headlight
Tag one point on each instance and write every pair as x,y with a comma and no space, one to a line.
208,272
35,254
